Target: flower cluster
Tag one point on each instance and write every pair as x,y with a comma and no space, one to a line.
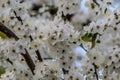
39,40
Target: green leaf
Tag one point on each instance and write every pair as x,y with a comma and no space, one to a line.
94,37
93,44
2,70
87,37
2,35
90,37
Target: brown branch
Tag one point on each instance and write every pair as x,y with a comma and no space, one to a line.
95,68
82,47
31,39
39,56
8,60
7,31
96,2
48,58
29,61
18,17
65,71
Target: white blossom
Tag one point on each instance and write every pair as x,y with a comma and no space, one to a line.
41,40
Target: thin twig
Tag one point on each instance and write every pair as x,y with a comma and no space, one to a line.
65,71
48,58
95,68
39,56
31,39
82,47
29,61
18,17
8,60
96,2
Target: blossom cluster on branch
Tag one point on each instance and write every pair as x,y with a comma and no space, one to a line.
39,40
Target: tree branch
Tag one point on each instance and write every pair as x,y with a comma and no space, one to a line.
8,60
96,2
95,68
18,17
7,31
29,61
39,56
65,71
